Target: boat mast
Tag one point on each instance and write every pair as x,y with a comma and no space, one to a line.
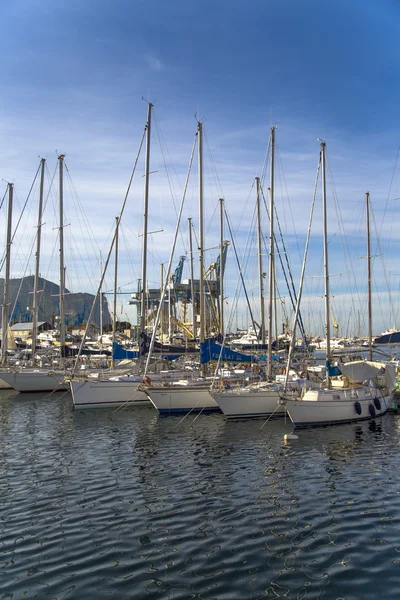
144,246
101,301
369,280
62,269
326,266
260,265
4,317
221,269
271,252
114,323
201,233
192,290
37,263
162,301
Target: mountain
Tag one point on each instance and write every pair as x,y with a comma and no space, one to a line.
77,306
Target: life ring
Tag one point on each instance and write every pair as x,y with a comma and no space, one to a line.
371,409
282,370
358,408
377,403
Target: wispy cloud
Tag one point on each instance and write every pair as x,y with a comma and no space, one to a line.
154,63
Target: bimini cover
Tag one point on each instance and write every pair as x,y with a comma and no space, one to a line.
360,370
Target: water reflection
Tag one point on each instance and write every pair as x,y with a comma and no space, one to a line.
125,504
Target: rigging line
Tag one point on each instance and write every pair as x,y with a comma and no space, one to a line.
213,167
297,309
149,252
390,189
22,212
245,261
292,287
343,241
169,179
266,162
22,278
86,222
240,270
167,275
164,148
245,204
378,244
50,181
109,253
282,175
2,200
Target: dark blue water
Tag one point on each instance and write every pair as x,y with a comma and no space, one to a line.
125,504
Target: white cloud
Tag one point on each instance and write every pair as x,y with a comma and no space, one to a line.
154,63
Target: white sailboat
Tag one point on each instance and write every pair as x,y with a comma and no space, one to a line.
115,392
119,391
183,398
260,400
366,390
35,379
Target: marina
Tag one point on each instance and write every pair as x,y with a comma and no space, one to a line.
199,289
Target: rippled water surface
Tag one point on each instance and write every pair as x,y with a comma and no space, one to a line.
125,504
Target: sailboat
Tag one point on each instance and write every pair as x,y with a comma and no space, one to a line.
35,379
126,389
261,399
182,396
349,398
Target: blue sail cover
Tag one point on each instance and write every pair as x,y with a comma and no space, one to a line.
119,353
210,350
333,370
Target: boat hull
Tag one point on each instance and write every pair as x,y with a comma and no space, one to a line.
330,411
249,403
107,394
35,381
169,400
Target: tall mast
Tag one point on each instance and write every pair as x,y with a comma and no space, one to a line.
271,252
369,280
37,262
114,323
101,301
221,269
145,219
4,317
62,269
192,290
260,264
162,301
201,226
326,266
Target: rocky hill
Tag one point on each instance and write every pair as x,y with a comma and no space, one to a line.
77,306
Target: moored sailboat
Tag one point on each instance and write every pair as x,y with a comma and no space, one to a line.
366,390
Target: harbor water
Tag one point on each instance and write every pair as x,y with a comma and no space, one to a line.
124,504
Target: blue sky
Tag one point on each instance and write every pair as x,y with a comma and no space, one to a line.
73,78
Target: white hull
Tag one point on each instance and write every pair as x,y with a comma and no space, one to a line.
186,399
324,407
107,394
35,380
249,403
4,385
